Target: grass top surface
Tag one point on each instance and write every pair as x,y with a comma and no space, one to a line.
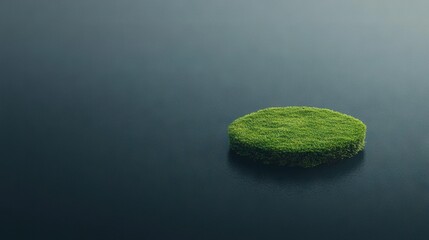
297,130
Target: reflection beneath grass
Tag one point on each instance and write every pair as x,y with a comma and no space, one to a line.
294,175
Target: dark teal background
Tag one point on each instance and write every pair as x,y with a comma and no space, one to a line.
113,118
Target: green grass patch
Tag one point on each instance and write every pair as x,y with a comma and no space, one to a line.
297,136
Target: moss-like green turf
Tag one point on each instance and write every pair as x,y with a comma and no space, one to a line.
297,136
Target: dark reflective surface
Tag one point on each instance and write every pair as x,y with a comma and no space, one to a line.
113,118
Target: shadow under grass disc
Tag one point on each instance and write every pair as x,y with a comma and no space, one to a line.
297,136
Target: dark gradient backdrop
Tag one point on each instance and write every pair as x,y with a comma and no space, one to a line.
113,118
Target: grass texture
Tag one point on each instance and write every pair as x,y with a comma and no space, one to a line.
297,136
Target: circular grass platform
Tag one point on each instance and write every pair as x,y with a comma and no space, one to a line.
297,136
